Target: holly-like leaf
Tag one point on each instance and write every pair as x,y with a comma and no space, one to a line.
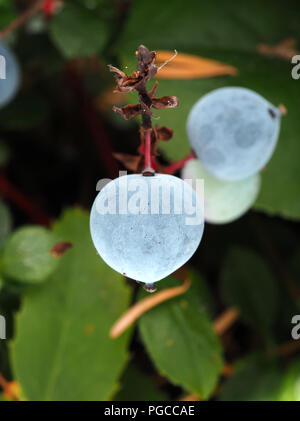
78,31
248,284
181,341
27,255
62,349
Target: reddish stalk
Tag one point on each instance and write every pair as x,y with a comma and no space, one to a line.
49,8
26,204
148,170
172,168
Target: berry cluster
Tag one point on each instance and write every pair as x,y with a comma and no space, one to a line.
233,132
147,225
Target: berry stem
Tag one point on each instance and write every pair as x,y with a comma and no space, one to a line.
147,129
148,170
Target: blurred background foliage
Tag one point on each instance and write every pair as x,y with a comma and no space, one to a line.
57,139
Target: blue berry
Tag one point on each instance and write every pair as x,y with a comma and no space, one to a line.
233,132
145,236
11,71
224,201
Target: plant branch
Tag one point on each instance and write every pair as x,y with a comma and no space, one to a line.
144,305
10,192
288,348
22,18
226,320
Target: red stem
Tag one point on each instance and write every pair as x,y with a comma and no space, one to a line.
171,169
48,8
148,170
148,149
24,203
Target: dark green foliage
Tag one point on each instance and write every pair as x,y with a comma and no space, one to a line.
57,139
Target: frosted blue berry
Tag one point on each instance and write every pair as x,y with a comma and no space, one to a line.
233,132
146,227
224,201
9,75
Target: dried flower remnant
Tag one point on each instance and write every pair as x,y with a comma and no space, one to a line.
286,49
60,248
188,66
137,81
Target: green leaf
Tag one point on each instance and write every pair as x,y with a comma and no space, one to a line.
26,255
78,31
62,349
225,26
6,222
203,291
256,380
138,386
248,284
228,32
7,12
290,389
181,341
26,112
